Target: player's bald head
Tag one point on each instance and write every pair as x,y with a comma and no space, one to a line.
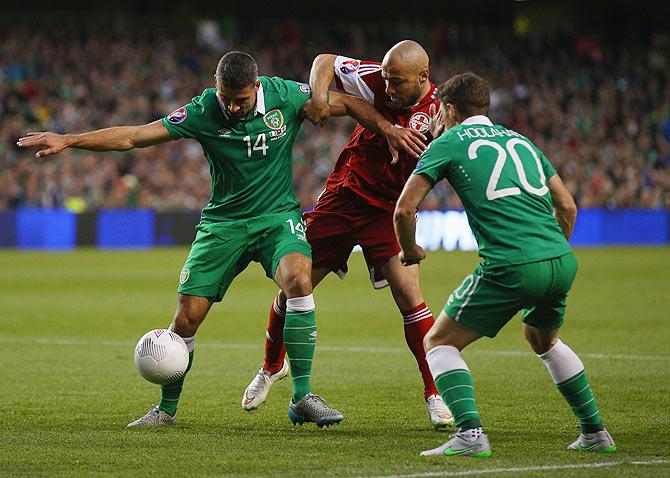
405,71
407,56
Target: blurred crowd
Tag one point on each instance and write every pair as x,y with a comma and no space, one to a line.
599,110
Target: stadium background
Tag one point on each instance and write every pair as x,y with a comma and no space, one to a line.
588,80
589,85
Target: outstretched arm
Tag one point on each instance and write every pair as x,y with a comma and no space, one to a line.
119,138
404,218
566,209
406,139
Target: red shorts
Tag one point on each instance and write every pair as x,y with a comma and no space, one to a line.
339,222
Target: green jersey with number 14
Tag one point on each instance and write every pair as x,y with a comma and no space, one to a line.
501,178
250,160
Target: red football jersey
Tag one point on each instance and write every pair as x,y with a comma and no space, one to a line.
364,165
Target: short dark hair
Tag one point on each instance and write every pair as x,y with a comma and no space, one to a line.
468,92
236,70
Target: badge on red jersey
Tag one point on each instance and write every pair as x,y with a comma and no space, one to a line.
349,66
420,122
177,116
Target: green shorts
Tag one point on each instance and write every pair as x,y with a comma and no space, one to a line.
222,250
489,297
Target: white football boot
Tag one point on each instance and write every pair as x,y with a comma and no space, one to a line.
439,413
257,391
473,442
154,417
595,442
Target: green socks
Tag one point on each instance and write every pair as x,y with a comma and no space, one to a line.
170,392
300,342
577,392
567,371
457,391
454,382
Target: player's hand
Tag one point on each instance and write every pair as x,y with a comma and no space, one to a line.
407,139
316,112
408,258
436,121
49,143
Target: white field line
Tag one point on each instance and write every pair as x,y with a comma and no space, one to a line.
495,471
325,348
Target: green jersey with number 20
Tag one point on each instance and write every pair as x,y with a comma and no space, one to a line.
250,160
501,178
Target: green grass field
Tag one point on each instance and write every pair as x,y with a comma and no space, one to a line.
69,323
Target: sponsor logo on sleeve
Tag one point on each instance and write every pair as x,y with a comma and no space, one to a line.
177,116
304,87
349,66
420,122
274,119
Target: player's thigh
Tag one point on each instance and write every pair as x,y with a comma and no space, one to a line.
376,236
217,255
446,331
486,300
278,236
547,311
330,235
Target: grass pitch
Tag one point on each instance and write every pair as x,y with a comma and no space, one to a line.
69,322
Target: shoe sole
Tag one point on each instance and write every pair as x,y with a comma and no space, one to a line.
326,422
479,454
609,449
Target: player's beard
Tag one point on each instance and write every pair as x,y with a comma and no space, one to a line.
411,100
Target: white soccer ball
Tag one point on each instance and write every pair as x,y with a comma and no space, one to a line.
161,356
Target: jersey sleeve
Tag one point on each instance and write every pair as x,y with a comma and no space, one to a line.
184,122
547,168
433,162
358,78
292,92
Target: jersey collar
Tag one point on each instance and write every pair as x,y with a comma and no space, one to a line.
477,119
260,102
260,99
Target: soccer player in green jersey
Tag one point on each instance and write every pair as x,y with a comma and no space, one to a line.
510,193
246,126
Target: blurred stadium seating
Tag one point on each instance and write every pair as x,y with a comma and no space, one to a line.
600,110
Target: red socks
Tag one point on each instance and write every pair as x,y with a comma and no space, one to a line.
274,340
418,322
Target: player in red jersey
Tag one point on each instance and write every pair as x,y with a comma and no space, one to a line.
357,204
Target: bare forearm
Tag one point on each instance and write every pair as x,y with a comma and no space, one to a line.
404,222
566,219
365,114
118,138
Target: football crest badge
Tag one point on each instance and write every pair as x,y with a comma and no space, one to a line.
274,119
420,122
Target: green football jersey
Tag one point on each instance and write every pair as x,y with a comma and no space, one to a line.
250,160
501,178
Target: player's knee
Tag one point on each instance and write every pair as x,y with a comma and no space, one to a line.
298,285
189,316
539,340
185,325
